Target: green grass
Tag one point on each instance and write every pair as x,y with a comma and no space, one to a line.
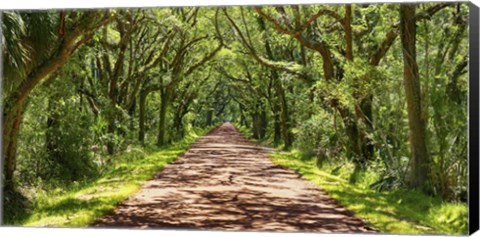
398,212
82,204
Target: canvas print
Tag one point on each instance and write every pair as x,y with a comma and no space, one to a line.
323,118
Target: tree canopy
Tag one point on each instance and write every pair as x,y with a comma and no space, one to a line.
383,86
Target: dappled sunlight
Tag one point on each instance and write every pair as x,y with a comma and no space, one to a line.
87,203
395,211
106,114
225,182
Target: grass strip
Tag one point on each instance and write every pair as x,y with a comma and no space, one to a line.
82,204
397,211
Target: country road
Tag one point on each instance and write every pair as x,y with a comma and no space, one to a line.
225,182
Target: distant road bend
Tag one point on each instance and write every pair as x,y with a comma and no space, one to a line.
225,182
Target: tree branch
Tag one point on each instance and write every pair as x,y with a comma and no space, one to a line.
393,33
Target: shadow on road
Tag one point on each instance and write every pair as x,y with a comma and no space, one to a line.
225,182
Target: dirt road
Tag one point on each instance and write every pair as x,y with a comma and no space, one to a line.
225,182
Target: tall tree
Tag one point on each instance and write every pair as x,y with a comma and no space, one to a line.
419,169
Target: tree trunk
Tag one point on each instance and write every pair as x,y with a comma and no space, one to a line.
178,125
368,147
111,135
263,123
276,128
209,117
277,132
141,116
352,132
363,144
356,135
419,170
177,121
112,117
165,95
347,25
284,116
12,119
131,114
243,120
255,125
181,111
259,119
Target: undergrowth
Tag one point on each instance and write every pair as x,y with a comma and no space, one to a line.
81,203
397,211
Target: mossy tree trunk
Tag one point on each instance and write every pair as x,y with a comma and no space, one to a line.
419,169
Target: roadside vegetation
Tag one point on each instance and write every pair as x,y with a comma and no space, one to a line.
81,203
388,210
397,211
370,101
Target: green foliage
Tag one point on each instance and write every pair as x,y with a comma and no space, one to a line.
80,203
264,72
398,211
57,137
318,137
15,54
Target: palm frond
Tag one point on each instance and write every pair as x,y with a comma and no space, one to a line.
14,50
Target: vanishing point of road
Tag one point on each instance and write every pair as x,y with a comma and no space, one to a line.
225,182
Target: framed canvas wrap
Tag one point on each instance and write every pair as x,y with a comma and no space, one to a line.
265,117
